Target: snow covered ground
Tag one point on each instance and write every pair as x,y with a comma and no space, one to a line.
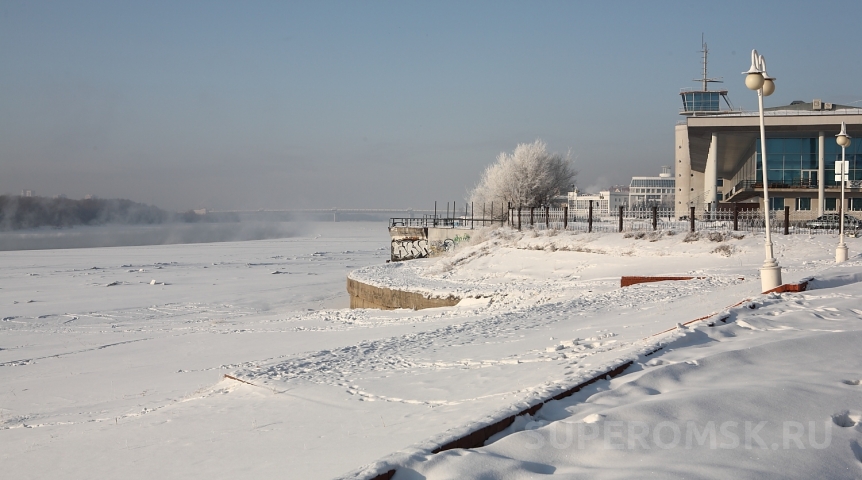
773,391
106,373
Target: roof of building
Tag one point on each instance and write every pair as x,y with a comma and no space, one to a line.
799,105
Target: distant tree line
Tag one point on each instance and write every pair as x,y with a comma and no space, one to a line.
18,212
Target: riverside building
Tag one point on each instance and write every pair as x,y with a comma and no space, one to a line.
718,154
647,192
604,203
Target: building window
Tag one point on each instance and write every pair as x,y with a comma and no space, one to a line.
803,204
700,102
831,204
776,203
790,161
856,204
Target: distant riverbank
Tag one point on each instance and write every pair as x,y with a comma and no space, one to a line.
132,235
18,213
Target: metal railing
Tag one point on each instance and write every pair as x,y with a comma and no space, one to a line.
631,220
465,222
665,219
798,183
794,113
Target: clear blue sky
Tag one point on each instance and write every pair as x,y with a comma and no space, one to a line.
375,104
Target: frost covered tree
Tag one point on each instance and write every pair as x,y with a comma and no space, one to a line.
530,176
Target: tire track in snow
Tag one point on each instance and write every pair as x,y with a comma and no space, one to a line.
30,361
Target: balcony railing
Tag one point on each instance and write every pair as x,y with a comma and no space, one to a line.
751,185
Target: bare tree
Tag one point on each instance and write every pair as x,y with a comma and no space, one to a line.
528,177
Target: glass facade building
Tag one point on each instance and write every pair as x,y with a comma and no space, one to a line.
723,146
793,161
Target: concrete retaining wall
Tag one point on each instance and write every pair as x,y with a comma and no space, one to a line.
366,296
409,243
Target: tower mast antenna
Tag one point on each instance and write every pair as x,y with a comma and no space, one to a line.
704,101
705,81
705,53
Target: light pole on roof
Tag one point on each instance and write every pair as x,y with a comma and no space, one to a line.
841,174
757,79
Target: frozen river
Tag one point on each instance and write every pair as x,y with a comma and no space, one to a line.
113,359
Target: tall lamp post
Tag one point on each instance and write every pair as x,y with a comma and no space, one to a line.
757,79
841,174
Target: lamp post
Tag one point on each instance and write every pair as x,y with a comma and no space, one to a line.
841,174
757,79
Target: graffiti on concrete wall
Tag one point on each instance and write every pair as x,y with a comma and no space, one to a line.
441,246
448,244
410,248
409,243
461,238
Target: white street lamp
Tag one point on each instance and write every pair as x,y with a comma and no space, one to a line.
841,174
757,79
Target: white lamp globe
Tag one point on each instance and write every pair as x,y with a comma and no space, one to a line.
768,87
754,81
843,140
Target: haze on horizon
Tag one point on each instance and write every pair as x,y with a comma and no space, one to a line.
375,104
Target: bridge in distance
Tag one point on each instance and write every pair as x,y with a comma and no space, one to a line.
335,212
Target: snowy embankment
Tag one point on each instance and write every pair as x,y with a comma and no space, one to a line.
128,379
663,256
504,262
772,390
